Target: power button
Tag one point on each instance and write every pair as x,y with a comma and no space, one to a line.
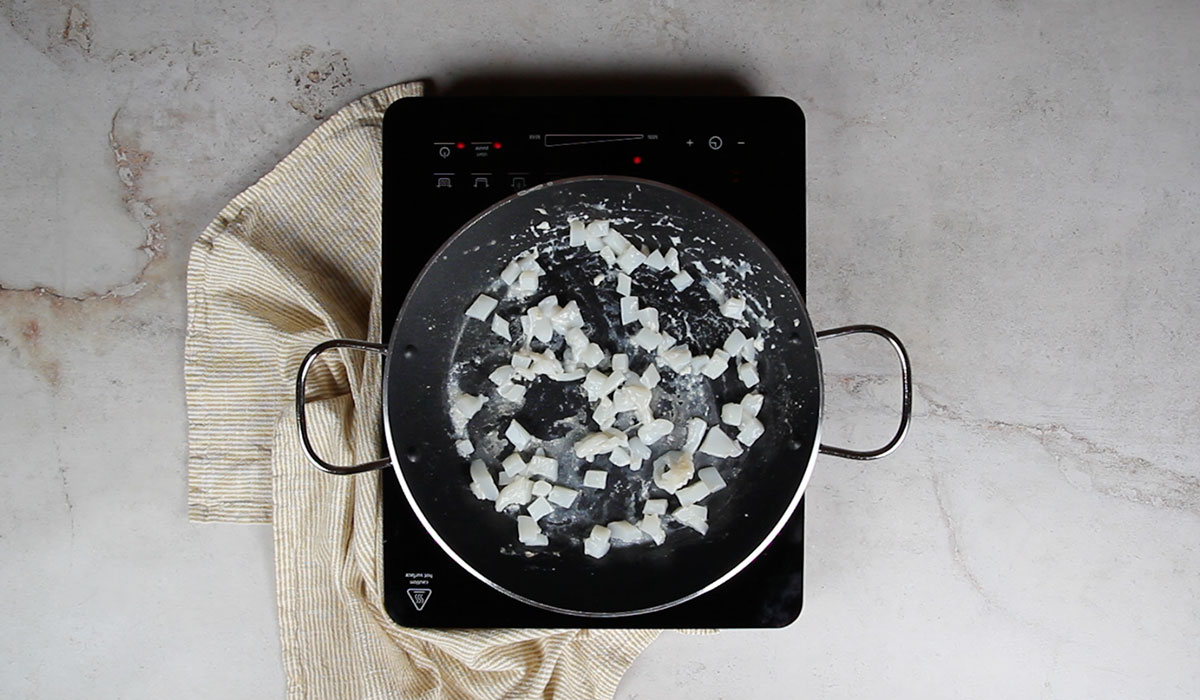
715,142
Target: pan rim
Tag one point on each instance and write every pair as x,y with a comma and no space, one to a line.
733,571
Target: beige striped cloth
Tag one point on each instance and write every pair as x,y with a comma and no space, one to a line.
290,262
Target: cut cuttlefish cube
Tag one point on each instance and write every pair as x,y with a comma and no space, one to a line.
529,533
597,543
482,307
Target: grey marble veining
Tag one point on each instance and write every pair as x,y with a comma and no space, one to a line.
1012,187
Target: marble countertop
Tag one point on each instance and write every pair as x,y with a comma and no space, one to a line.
1013,188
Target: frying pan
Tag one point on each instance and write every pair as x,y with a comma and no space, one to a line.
435,351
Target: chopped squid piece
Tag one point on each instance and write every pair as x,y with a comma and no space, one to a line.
655,506
623,284
594,383
629,310
464,448
650,377
565,318
652,526
576,235
752,404
597,280
638,449
655,260
619,457
751,429
678,358
503,479
624,531
718,444
714,290
608,256
696,491
482,307
599,443
542,488
694,516
464,407
539,509
648,317
631,259
518,436
500,327
673,470
731,414
513,464
529,533
699,362
591,355
695,434
733,307
748,373
522,359
526,284
620,362
540,326
716,365
502,375
605,413
735,342
672,260
666,342
482,484
595,479
654,431
518,492
682,281
597,543
562,496
511,272
611,383
618,243
646,339
543,466
511,392
632,398
575,339
548,304
711,478
597,229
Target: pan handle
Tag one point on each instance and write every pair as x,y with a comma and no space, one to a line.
302,420
906,406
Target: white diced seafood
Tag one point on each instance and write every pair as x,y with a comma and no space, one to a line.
694,516
543,466
625,531
752,404
624,288
731,414
528,531
695,434
539,509
518,435
654,431
513,464
673,470
692,493
716,365
482,307
748,373
629,310
733,307
464,448
652,526
751,430
541,489
595,478
562,496
482,484
718,444
682,281
518,492
655,506
711,478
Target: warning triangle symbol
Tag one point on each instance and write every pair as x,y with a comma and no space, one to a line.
419,597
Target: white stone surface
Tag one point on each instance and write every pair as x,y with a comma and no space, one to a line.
1012,187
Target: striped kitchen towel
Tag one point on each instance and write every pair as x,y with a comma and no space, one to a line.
290,262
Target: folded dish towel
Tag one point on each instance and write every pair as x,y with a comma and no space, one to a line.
290,262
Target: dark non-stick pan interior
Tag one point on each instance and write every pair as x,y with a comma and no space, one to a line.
434,346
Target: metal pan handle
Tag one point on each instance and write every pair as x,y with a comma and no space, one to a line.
906,406
302,420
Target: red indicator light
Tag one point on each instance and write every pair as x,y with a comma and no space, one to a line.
497,145
460,145
637,160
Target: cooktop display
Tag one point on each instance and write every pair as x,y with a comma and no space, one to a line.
445,160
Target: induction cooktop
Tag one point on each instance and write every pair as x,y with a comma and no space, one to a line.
446,159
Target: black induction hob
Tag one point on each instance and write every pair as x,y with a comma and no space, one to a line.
447,159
